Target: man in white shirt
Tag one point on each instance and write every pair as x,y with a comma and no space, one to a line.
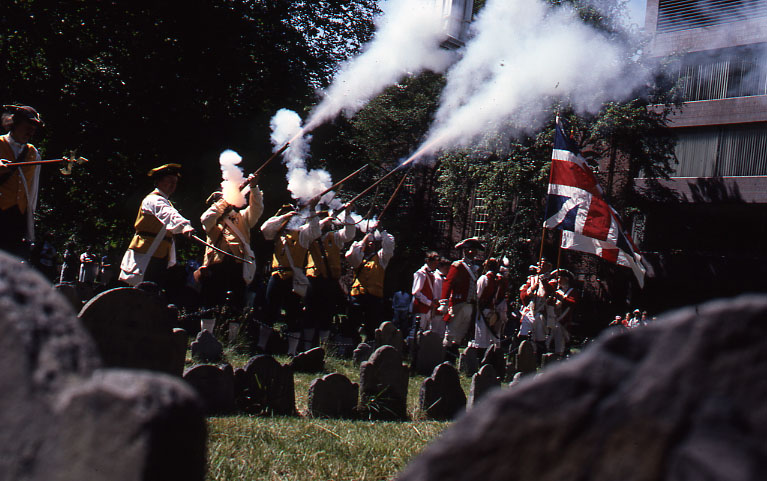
152,250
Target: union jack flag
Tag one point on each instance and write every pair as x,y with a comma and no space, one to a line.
576,204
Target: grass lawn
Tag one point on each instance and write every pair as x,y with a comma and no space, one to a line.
302,448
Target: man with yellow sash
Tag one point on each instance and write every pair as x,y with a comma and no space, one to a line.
18,184
292,234
369,258
228,228
152,250
323,268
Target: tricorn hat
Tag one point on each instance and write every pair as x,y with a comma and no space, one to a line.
24,112
167,169
470,243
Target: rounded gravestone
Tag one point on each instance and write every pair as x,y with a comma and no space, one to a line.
133,329
333,396
442,397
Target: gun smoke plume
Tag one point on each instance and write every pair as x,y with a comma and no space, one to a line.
523,56
406,42
232,177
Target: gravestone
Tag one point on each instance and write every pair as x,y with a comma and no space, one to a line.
133,329
387,334
214,385
71,294
383,385
206,347
511,363
362,353
64,418
442,397
482,382
682,398
548,359
431,353
333,396
265,386
310,361
468,363
516,379
526,362
494,356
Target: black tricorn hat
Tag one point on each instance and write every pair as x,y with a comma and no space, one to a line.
24,112
470,243
167,169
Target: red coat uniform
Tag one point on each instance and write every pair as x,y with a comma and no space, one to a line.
459,286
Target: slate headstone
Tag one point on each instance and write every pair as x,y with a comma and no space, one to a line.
362,353
63,418
265,387
548,359
442,397
494,357
511,363
682,398
468,363
387,334
206,347
431,353
310,361
482,382
134,329
526,362
215,386
383,385
333,396
71,294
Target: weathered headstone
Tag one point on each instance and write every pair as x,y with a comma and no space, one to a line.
482,382
682,398
511,363
548,359
333,396
383,385
133,329
265,386
215,385
71,294
312,360
387,334
494,356
206,347
63,418
468,363
526,362
362,353
431,353
442,397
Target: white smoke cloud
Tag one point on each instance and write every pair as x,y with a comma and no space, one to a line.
406,42
232,177
524,54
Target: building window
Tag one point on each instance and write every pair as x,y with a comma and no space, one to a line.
480,217
675,15
722,151
728,73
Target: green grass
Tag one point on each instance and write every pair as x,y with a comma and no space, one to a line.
302,448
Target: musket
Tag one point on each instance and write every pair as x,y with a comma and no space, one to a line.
343,180
394,194
274,156
221,250
369,188
66,170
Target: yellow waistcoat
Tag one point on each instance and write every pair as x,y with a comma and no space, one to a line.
280,263
369,278
12,192
316,265
147,227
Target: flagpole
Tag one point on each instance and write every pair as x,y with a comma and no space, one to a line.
543,232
